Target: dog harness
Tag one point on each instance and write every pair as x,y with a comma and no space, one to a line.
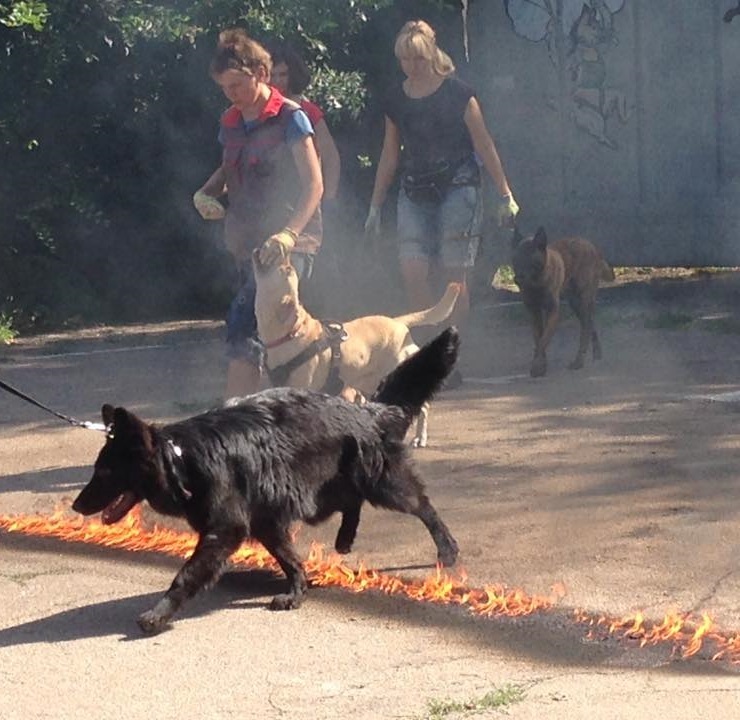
333,336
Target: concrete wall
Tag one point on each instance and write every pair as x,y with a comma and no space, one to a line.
620,122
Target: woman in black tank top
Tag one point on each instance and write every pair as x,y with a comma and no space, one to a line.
436,136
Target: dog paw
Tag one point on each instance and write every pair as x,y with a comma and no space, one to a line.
285,602
152,622
343,548
448,557
419,442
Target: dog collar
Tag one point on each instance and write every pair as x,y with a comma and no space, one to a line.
175,448
288,336
173,477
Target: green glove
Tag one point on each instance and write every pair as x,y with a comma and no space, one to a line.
508,209
208,207
278,246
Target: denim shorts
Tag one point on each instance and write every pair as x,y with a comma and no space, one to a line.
242,340
448,232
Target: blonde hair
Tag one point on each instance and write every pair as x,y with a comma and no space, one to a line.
417,39
237,51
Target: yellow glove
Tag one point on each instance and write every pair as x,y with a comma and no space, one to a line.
508,209
278,246
208,207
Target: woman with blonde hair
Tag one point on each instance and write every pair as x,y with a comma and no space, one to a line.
436,135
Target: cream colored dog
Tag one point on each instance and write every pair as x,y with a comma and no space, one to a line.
374,344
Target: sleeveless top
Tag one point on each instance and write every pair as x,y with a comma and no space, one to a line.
262,179
432,128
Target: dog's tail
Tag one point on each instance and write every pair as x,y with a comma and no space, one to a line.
437,314
416,380
607,272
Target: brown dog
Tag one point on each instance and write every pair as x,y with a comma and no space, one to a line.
373,345
571,266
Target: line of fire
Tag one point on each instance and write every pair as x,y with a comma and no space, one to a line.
687,634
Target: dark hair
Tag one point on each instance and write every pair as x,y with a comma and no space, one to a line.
299,76
237,51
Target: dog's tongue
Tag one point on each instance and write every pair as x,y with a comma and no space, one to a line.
118,508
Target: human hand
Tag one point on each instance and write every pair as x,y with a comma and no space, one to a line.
277,246
372,224
208,207
508,209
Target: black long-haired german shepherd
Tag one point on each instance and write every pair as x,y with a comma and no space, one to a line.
251,469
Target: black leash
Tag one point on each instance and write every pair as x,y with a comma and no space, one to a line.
72,421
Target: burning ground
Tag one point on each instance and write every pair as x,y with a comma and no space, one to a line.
685,634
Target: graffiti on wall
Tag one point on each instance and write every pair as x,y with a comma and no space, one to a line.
578,34
731,13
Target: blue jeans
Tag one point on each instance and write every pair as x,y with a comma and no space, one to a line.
242,340
448,231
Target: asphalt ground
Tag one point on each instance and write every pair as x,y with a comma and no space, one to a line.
617,483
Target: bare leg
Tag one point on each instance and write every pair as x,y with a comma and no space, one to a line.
415,272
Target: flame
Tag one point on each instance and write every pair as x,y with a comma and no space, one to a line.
686,633
128,534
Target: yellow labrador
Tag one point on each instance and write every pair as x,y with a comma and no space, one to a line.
300,351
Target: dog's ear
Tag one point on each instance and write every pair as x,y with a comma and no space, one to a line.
107,413
132,428
285,310
123,420
126,422
516,237
540,239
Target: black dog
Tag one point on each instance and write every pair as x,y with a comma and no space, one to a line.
267,460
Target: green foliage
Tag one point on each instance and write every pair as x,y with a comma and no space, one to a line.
7,332
500,698
108,123
317,24
21,13
342,95
147,21
504,277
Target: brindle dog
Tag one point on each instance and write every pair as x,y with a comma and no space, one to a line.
572,267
